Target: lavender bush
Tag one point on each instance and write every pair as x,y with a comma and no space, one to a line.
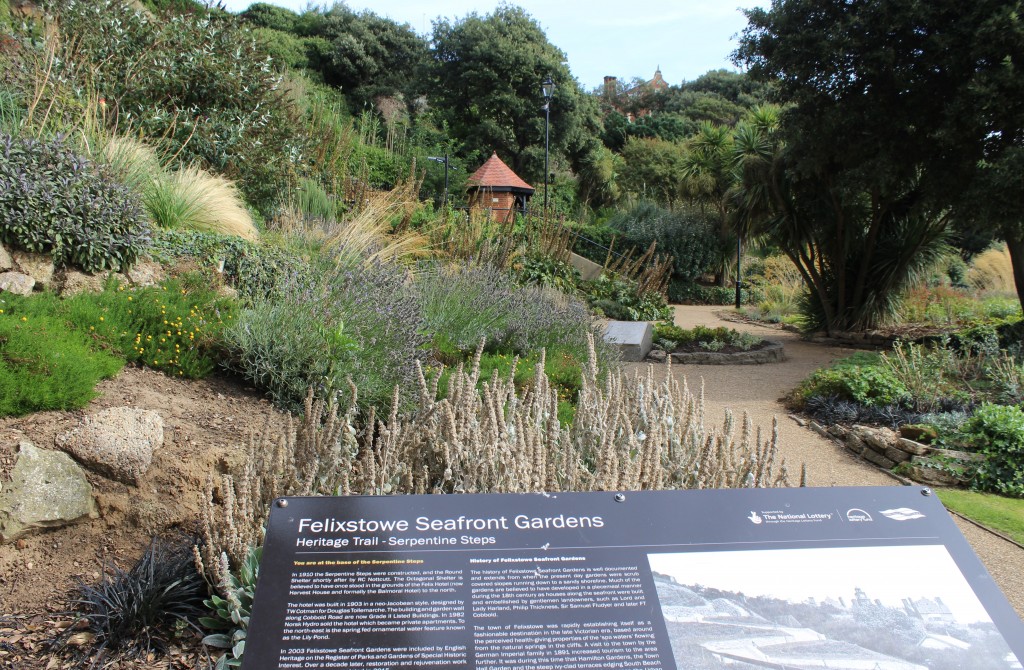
464,304
324,329
54,201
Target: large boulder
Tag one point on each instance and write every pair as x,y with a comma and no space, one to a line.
16,282
47,490
116,442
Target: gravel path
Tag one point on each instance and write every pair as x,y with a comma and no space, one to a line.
757,389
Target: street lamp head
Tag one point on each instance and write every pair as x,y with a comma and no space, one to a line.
548,87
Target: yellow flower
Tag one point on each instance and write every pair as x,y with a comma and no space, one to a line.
24,318
101,318
129,297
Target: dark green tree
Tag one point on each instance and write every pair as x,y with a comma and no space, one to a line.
895,107
488,72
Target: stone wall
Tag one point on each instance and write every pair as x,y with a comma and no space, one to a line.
888,449
23,273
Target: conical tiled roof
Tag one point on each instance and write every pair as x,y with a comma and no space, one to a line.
495,175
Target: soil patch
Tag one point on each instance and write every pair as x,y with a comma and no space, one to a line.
207,425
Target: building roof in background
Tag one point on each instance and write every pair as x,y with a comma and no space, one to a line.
494,174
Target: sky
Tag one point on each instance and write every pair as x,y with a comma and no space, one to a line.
798,574
686,38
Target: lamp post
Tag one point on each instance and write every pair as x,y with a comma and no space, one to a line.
549,88
739,273
443,159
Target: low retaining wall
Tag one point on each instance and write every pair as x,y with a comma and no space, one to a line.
887,449
774,352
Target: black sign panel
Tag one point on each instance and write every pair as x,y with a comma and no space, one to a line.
839,578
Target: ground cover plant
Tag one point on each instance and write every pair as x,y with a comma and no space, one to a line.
960,393
53,351
671,338
45,366
138,612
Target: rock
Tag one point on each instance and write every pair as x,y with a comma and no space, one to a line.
116,442
919,433
657,356
73,282
47,490
878,459
16,282
878,439
226,291
838,432
818,428
146,273
912,447
633,339
855,444
6,262
897,455
772,352
933,476
963,456
37,266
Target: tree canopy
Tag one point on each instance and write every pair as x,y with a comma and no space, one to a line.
893,108
487,91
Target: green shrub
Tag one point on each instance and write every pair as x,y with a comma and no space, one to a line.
174,327
713,339
287,51
687,235
198,82
255,270
54,201
361,324
619,298
44,365
867,383
690,293
546,271
997,432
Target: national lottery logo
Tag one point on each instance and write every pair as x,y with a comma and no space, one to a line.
754,518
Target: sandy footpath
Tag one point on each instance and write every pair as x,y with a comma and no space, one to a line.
757,389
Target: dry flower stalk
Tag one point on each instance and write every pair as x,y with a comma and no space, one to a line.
630,432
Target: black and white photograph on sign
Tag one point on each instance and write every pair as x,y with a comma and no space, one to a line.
845,608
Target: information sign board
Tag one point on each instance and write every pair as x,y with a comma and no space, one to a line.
841,578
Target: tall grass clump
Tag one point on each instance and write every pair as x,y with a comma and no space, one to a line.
191,198
376,231
992,270
360,323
